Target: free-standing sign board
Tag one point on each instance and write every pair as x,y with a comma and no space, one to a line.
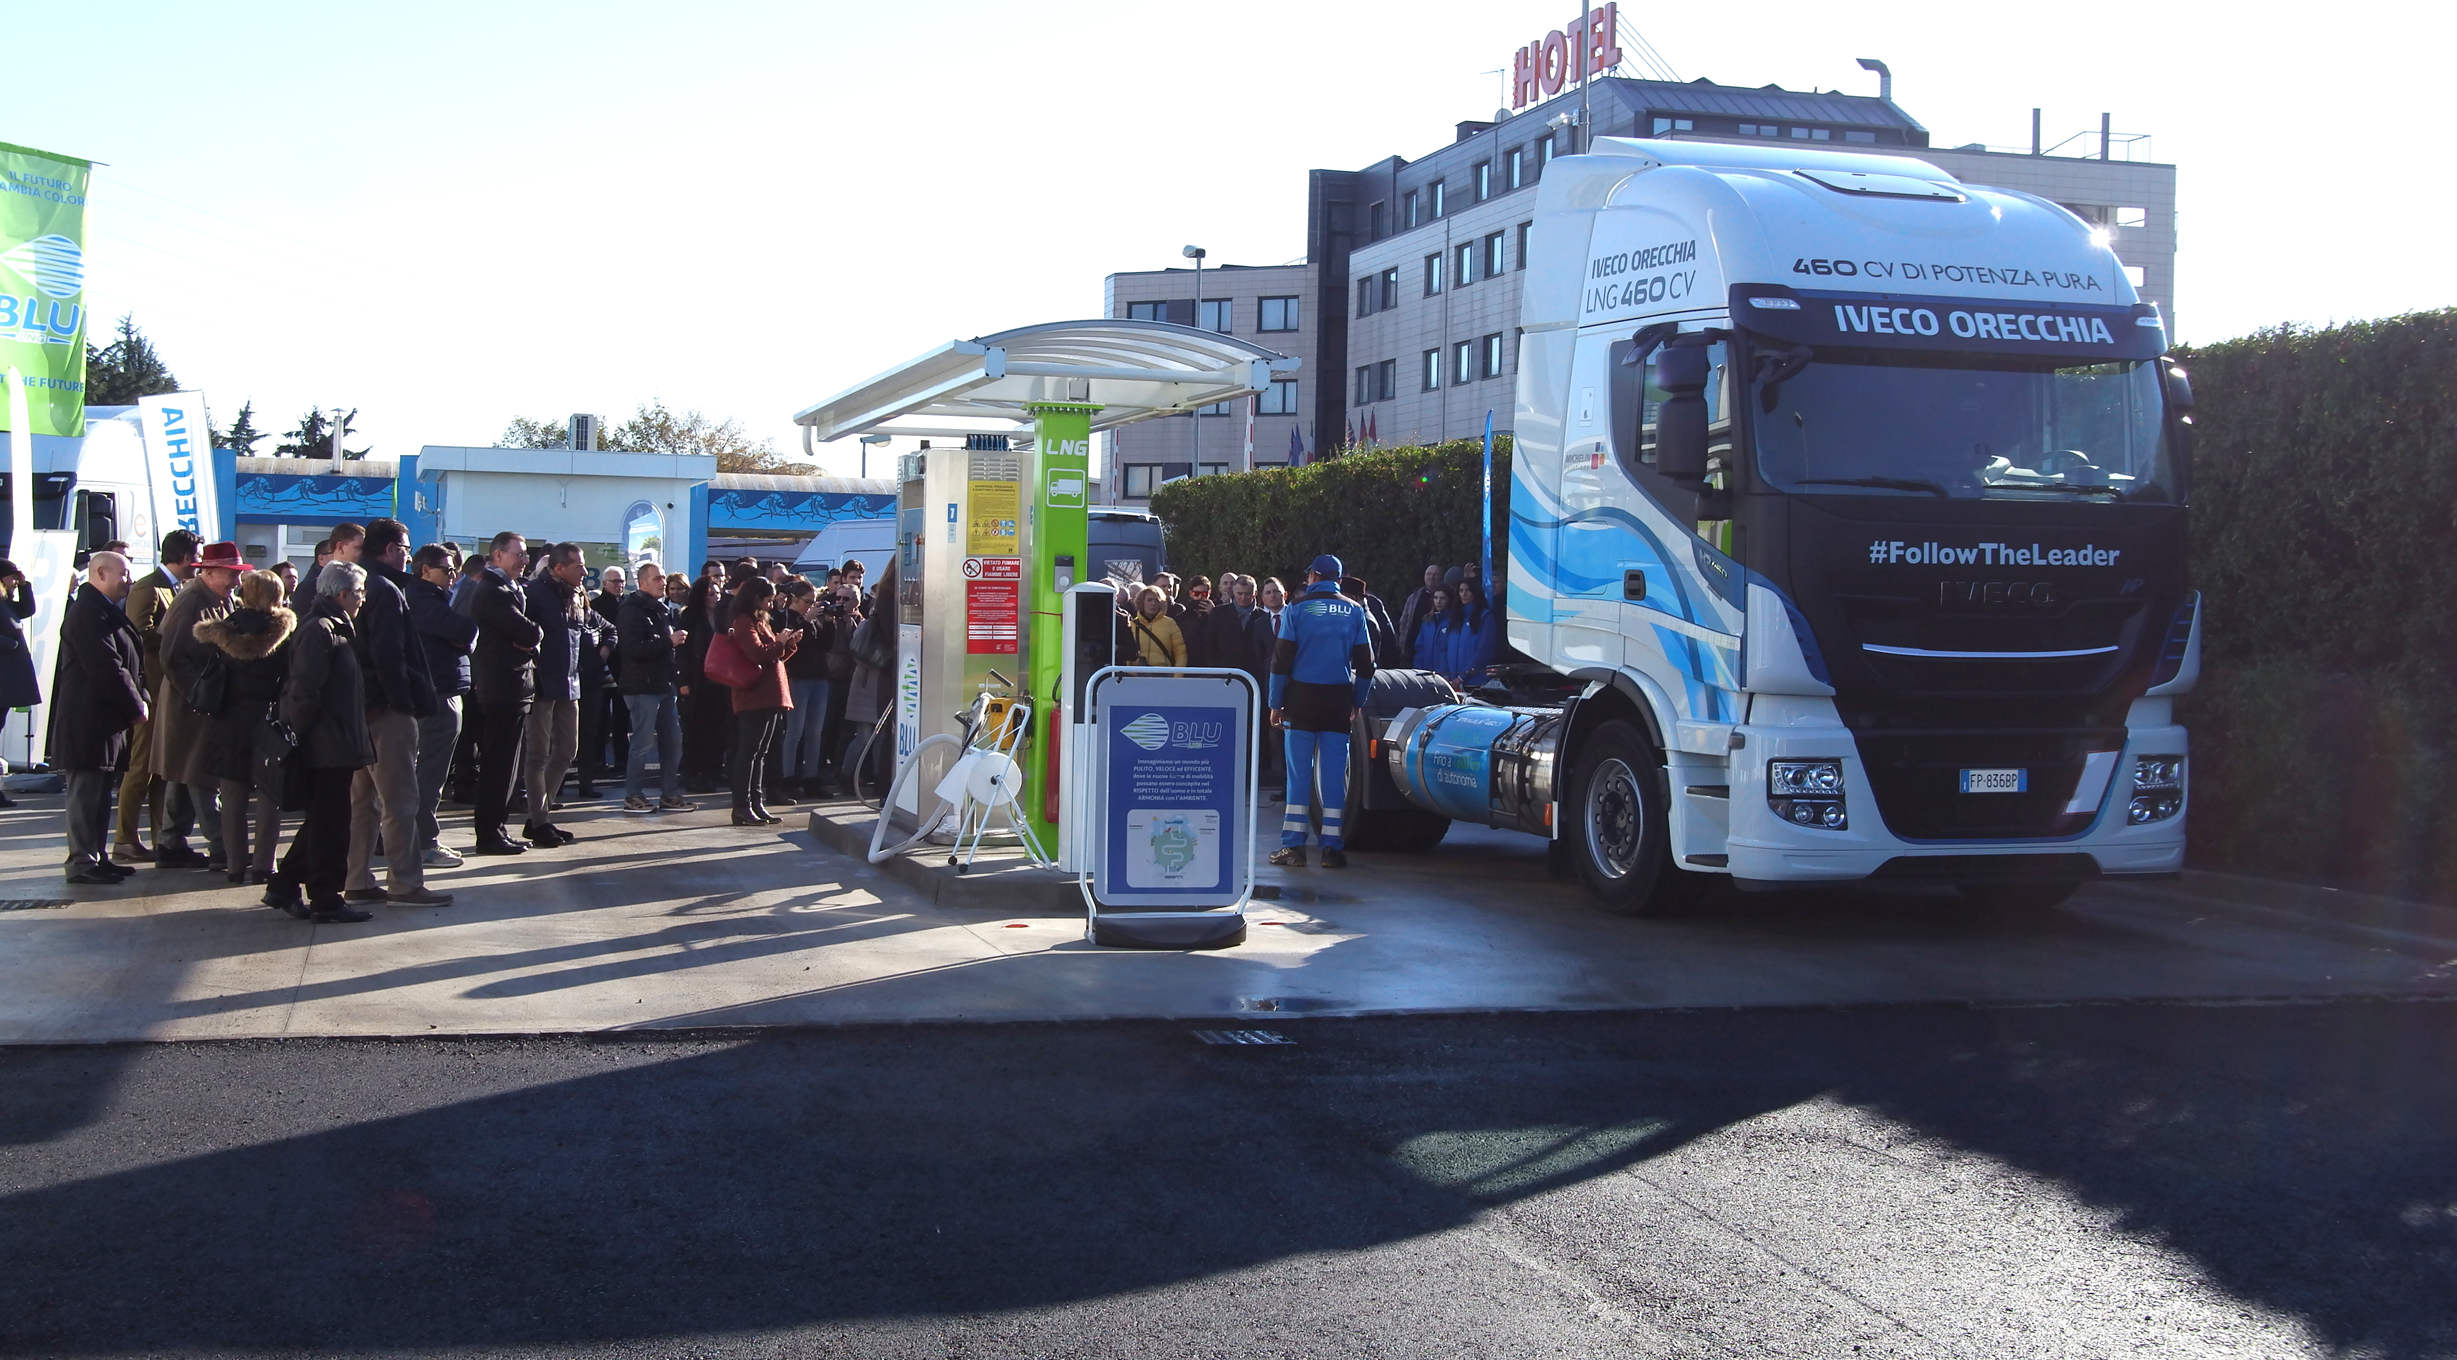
1172,807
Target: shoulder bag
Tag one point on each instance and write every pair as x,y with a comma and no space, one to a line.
726,664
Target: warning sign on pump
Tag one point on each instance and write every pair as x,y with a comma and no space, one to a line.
991,612
993,569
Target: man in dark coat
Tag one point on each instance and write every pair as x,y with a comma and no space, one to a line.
1413,612
566,629
446,637
503,681
400,694
605,722
647,643
98,693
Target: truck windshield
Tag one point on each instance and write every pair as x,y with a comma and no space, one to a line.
1890,424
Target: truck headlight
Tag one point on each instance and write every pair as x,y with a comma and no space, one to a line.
2158,789
1807,793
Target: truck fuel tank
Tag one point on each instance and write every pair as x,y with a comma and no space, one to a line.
1479,763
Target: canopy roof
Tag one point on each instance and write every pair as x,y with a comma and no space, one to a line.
1133,370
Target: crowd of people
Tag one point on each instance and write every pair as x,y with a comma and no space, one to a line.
1446,625
209,699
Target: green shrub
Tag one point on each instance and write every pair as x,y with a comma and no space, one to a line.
2323,505
1386,514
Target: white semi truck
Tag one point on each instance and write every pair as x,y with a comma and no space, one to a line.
1847,529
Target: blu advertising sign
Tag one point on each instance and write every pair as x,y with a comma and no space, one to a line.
1172,807
42,286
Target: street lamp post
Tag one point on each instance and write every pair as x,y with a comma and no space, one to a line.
867,441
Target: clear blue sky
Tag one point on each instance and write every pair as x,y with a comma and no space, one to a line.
453,213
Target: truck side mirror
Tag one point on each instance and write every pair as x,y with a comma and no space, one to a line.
2179,390
1681,370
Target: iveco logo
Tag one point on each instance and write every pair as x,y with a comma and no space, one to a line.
1996,595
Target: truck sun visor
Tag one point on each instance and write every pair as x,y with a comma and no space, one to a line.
2077,332
1882,186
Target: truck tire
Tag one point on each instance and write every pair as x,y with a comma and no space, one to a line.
1618,828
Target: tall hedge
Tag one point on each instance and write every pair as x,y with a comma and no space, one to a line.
1386,514
2324,514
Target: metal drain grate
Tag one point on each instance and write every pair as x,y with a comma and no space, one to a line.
33,904
1235,1037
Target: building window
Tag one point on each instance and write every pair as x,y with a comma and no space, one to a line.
1407,210
1211,469
1433,275
1484,180
1493,255
1141,478
1441,197
1492,355
1545,150
1386,380
1760,130
2132,217
1364,384
1219,408
1463,362
1859,136
1524,228
1664,125
1433,370
1280,314
1377,222
1147,311
1517,163
1464,271
1812,134
1216,315
1390,288
1365,297
1280,400
2137,276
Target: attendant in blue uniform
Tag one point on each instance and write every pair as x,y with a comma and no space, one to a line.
1321,672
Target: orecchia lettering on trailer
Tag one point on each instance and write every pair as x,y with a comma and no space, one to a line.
1890,551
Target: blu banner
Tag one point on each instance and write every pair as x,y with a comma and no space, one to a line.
42,285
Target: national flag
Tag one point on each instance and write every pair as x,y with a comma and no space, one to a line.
1296,445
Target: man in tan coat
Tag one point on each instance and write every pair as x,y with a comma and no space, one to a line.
179,732
141,788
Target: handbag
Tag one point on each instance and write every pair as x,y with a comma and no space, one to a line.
273,740
872,649
209,692
726,664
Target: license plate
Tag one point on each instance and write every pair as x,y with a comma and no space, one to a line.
1996,781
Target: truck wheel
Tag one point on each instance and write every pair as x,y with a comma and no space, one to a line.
1617,822
2017,896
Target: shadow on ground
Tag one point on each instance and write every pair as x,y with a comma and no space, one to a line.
562,1192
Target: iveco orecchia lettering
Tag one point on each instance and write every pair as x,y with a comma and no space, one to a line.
1836,554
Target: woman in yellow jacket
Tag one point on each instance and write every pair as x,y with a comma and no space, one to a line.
1157,638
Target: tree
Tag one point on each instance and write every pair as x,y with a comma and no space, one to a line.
524,433
655,429
242,436
314,437
126,369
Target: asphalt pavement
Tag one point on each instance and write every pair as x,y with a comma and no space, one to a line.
2168,1179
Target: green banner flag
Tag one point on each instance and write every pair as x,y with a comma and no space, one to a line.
42,284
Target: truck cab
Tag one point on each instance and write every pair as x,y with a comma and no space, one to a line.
1849,502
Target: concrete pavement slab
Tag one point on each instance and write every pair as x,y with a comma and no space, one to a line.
684,920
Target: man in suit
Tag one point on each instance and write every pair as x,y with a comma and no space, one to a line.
179,731
147,600
98,693
503,681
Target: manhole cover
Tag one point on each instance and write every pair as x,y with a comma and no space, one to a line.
1246,1037
32,904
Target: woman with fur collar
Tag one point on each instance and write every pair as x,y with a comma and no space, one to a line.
254,641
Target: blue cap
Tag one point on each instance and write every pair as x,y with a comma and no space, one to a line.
1327,565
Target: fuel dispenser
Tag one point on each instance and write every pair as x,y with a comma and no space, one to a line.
992,536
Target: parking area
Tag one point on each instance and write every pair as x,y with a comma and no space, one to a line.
680,922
